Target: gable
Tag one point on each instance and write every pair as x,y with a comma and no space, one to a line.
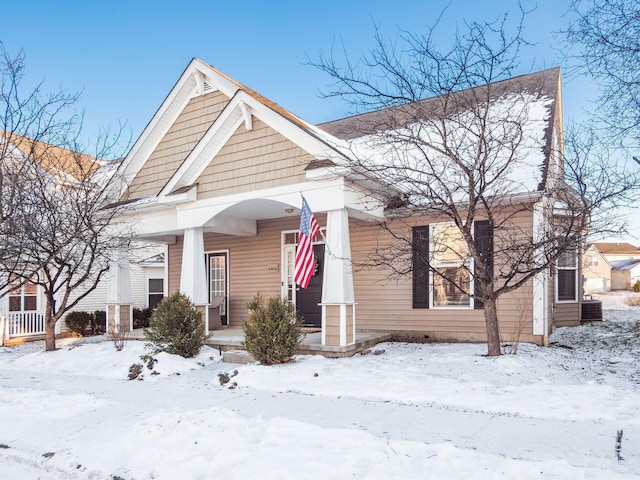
188,129
252,160
55,160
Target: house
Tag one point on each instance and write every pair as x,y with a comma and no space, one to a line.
147,282
596,270
217,176
610,266
22,308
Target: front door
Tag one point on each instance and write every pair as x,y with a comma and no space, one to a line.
218,285
307,301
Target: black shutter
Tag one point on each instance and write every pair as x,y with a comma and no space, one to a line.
420,267
483,237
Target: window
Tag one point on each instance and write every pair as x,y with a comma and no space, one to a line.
155,291
23,298
450,257
567,275
450,262
592,261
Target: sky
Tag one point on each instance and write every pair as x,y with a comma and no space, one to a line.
406,410
125,56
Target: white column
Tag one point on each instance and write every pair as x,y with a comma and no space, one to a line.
338,301
540,285
119,293
193,276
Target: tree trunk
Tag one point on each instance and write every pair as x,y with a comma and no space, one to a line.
493,332
49,328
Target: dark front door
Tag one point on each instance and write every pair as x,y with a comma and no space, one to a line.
307,300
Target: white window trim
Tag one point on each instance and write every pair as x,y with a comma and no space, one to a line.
22,296
470,267
147,292
557,279
227,273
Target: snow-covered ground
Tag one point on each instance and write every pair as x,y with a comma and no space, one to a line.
441,411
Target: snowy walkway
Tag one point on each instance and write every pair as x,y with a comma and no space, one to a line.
416,411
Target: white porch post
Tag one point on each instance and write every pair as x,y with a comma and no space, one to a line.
119,310
338,303
4,316
193,275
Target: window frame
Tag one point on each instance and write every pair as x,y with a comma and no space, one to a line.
21,293
467,266
573,248
149,292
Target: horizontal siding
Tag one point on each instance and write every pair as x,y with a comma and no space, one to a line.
252,160
174,257
97,299
386,305
173,149
567,313
382,305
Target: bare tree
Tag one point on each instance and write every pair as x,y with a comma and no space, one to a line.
606,34
55,231
481,158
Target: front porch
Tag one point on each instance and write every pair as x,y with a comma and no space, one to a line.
231,339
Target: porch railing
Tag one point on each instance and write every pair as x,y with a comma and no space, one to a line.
25,323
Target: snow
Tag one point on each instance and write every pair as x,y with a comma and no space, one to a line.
510,130
442,411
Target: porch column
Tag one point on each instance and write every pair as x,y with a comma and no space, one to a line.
119,309
193,274
338,304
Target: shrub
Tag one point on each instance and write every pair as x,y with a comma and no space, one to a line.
119,339
273,332
77,321
633,300
176,327
99,322
141,317
636,286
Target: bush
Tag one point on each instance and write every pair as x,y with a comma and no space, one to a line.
77,321
636,286
633,300
273,332
99,322
176,327
141,317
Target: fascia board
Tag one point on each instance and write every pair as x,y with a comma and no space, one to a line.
168,112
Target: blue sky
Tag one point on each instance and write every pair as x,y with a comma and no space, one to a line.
126,55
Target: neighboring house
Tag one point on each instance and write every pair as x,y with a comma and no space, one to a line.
610,266
22,308
147,273
596,271
217,176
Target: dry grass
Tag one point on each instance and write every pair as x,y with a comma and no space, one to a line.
119,339
633,300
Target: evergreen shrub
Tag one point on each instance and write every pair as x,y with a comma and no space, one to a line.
273,332
141,317
99,322
77,322
176,327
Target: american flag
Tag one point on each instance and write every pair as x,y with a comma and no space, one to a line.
309,228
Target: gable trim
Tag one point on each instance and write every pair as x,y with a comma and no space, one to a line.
240,109
197,72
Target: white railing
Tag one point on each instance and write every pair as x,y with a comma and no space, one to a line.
25,323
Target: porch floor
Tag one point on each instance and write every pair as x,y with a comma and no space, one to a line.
227,339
